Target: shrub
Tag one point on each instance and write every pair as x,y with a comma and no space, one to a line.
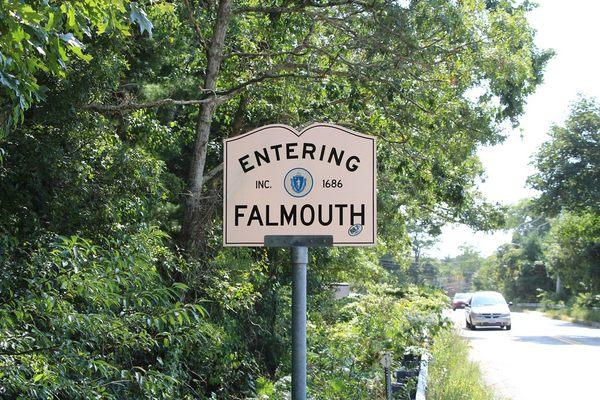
347,341
82,320
451,375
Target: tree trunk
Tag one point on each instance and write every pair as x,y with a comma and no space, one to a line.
192,221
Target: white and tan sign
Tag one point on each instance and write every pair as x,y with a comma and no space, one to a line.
320,181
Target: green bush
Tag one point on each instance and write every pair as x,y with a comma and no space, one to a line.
451,375
583,307
346,342
83,320
587,300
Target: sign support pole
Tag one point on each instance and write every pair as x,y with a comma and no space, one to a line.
299,245
388,384
299,261
386,361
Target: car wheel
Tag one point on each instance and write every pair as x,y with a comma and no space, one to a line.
453,309
508,327
467,324
470,326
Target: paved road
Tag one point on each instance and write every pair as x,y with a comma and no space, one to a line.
539,359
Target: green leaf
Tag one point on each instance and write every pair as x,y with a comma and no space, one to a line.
137,15
9,81
71,40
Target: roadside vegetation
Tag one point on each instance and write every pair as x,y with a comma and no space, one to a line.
349,337
573,314
554,256
583,307
452,376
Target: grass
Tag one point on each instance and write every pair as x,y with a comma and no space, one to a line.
574,313
452,376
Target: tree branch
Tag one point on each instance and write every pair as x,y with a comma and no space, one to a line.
303,6
199,36
29,351
139,106
299,50
295,52
213,172
157,103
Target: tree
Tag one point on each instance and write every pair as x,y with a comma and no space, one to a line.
569,163
38,37
519,268
568,178
573,250
457,273
378,67
421,239
524,219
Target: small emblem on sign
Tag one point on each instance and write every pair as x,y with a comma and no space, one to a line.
355,229
298,182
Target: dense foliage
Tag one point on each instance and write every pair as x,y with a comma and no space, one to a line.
83,320
556,237
569,163
519,268
452,374
347,340
113,280
574,251
40,36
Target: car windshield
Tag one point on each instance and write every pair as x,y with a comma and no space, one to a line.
461,296
491,299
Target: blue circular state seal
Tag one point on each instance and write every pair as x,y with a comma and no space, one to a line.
298,182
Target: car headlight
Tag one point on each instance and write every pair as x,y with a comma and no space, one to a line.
504,315
476,314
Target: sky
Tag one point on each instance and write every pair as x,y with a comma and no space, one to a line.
572,29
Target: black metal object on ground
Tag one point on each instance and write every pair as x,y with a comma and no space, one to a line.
406,377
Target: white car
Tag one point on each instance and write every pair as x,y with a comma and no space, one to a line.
487,309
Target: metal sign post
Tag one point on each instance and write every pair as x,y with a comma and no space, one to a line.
299,261
299,245
386,362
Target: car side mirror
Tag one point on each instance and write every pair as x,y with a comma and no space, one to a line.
510,303
467,305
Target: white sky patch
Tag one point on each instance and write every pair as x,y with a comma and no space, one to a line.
404,3
572,30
